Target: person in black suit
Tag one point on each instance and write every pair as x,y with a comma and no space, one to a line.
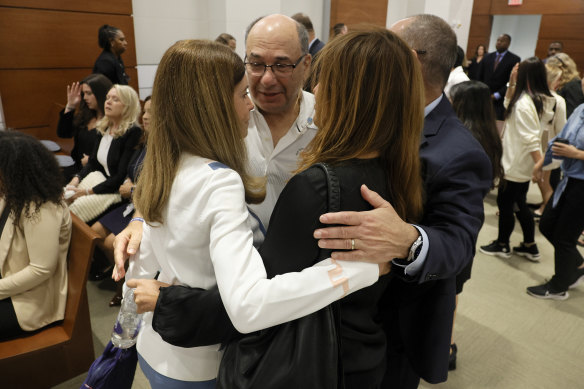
420,299
314,44
495,70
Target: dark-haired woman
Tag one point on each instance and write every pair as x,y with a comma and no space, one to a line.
85,107
475,63
35,236
471,101
530,105
109,63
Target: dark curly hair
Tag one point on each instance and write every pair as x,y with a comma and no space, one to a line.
29,174
99,85
104,36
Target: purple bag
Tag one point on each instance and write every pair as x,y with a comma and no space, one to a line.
114,369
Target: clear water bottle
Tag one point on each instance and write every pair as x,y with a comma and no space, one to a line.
128,323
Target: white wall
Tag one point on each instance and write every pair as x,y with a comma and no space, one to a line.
457,13
157,25
523,29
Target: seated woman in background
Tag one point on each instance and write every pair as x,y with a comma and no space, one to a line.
115,221
364,135
35,236
85,106
471,100
108,164
109,63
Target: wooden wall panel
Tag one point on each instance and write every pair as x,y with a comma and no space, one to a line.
46,45
562,27
123,7
51,39
536,7
480,28
352,12
28,95
561,20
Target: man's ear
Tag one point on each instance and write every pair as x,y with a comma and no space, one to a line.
307,62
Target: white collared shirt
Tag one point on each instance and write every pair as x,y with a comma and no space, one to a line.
277,163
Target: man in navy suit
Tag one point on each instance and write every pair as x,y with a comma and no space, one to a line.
494,71
417,309
314,44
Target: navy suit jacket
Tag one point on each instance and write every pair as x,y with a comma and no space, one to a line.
418,312
497,79
316,47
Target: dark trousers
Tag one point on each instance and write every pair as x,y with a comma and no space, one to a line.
399,374
9,327
562,226
511,200
499,108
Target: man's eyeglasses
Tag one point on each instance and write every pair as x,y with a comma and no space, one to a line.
279,69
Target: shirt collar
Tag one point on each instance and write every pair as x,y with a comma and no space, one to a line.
430,107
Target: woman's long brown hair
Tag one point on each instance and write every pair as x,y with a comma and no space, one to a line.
193,112
370,98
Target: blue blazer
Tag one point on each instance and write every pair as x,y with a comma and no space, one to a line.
418,312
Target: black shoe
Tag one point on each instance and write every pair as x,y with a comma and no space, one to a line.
101,274
531,252
498,249
579,280
452,357
546,291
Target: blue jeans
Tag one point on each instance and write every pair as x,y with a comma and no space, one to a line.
159,381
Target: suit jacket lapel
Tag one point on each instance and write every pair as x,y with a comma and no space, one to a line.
433,121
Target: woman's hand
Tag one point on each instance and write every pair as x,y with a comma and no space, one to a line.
85,159
537,174
73,97
567,151
126,189
513,76
146,293
73,183
78,193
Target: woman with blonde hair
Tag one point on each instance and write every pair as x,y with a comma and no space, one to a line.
364,136
107,166
569,85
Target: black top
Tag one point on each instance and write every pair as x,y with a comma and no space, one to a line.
290,247
572,93
112,67
118,158
84,140
473,69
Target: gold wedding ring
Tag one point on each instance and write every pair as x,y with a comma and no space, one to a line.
352,244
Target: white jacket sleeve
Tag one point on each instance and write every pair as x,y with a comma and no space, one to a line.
527,124
252,301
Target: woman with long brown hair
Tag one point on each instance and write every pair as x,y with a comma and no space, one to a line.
364,136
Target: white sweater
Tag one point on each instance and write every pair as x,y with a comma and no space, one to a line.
205,239
522,136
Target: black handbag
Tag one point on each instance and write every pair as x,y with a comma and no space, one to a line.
303,353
